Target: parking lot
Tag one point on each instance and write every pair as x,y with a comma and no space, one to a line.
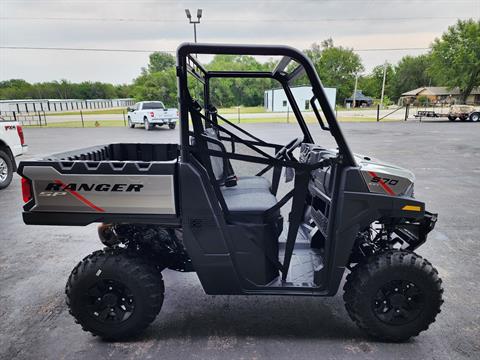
36,261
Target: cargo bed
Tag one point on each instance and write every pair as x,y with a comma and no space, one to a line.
134,183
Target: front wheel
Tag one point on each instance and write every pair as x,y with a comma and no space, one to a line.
114,294
172,126
394,295
6,169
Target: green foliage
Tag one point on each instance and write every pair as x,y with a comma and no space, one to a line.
371,84
161,85
160,61
455,57
20,89
411,73
336,66
422,100
234,92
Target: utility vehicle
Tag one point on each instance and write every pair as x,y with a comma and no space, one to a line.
184,207
150,114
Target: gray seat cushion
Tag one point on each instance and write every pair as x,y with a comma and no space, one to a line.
253,182
253,201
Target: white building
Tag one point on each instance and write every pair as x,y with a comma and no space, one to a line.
275,100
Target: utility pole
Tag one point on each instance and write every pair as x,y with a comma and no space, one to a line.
354,102
194,22
383,84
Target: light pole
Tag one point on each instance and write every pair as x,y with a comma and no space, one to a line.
194,22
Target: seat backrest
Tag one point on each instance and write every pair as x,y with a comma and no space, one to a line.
217,162
221,169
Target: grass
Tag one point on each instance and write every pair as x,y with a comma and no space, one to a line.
243,110
309,119
243,120
89,112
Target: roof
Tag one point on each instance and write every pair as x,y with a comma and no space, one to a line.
359,96
438,90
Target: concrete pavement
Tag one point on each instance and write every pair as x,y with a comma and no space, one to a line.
35,262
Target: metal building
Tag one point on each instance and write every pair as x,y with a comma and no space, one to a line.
275,100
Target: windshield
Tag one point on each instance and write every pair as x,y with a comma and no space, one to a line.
153,105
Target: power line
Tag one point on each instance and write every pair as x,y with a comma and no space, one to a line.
82,49
173,51
317,20
362,3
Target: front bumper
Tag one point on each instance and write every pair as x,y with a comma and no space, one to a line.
414,233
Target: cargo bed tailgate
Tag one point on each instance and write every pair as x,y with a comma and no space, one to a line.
109,183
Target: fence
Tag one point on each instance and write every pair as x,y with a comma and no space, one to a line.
79,119
86,118
60,105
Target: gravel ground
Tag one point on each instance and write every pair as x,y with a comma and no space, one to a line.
35,262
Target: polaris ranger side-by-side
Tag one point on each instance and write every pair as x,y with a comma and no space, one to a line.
183,207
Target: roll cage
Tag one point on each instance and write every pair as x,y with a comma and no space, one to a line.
196,146
187,63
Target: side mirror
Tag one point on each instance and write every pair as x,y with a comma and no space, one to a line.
129,109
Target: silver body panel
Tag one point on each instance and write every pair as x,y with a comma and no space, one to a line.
156,195
394,180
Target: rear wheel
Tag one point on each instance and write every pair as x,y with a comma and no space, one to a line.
475,116
171,126
451,117
131,125
147,124
114,294
6,169
394,295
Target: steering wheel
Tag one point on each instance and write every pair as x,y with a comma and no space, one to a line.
286,151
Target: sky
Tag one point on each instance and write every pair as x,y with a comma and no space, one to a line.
161,25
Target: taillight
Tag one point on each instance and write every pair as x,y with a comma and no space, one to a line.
151,113
26,190
20,134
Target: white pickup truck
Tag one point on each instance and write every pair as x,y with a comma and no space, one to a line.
12,144
151,113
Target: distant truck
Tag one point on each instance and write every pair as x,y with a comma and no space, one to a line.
151,113
12,144
464,113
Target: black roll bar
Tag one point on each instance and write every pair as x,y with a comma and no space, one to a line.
187,49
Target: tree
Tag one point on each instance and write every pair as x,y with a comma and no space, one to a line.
455,57
371,85
411,73
160,85
231,92
159,61
336,67
15,89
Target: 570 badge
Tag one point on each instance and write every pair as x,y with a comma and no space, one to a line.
387,181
